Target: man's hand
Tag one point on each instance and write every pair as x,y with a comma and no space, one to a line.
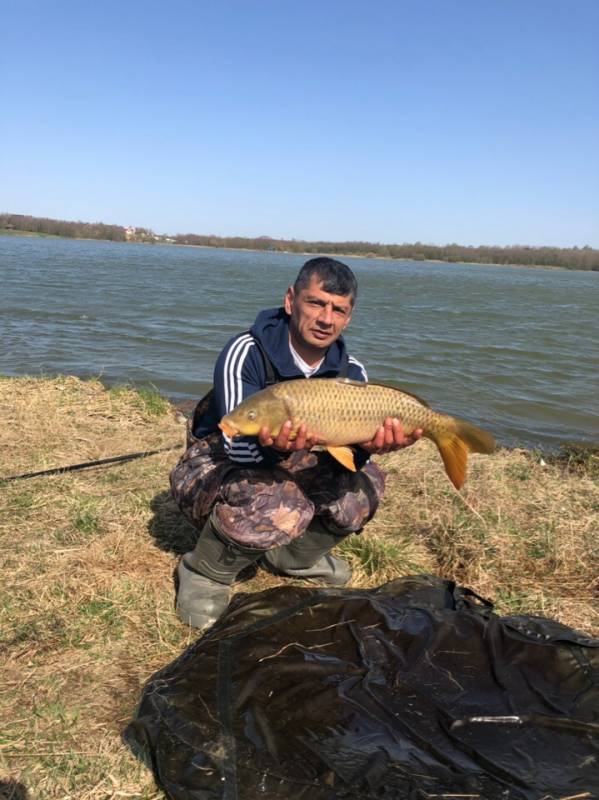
391,436
282,442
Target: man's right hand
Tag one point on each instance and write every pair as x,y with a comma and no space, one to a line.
282,441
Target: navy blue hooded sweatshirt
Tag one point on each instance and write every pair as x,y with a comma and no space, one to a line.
240,372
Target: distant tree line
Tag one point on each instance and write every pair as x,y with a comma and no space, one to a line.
58,227
585,258
569,257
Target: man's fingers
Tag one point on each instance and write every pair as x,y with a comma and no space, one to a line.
389,436
282,439
415,435
390,428
380,436
300,439
399,437
264,437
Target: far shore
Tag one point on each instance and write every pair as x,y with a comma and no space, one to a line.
369,256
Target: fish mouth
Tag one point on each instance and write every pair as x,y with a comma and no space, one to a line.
228,428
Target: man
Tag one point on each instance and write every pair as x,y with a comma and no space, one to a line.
274,499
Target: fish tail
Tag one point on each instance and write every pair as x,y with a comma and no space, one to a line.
455,442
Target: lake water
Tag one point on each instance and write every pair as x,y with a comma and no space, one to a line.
513,349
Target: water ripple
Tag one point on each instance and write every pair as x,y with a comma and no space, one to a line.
512,349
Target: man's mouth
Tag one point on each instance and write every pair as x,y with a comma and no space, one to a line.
321,334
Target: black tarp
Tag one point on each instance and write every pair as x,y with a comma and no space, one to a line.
413,690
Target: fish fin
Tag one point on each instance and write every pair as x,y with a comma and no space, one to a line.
454,453
344,455
454,446
477,440
384,385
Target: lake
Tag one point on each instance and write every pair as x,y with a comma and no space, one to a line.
512,349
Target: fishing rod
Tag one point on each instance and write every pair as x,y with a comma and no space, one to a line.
89,464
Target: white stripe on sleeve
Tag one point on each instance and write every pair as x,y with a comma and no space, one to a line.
356,363
246,452
229,377
238,367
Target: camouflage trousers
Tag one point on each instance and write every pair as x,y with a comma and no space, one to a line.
264,508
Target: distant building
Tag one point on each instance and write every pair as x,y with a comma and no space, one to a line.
129,232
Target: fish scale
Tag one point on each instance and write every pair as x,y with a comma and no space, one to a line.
342,411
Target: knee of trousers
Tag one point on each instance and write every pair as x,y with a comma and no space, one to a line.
359,503
262,515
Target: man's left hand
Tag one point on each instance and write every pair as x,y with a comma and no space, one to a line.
390,436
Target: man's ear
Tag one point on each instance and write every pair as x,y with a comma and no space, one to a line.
288,302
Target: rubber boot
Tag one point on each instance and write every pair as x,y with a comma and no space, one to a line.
309,557
206,574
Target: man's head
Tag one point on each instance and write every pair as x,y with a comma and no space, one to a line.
335,277
320,305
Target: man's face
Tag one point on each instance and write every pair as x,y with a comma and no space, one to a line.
317,318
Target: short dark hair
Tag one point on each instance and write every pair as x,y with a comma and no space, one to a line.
336,277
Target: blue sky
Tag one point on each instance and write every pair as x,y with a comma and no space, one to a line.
469,121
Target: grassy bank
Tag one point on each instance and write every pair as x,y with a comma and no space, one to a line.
86,598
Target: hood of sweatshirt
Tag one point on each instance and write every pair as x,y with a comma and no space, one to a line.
271,328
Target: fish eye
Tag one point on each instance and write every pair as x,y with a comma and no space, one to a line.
251,415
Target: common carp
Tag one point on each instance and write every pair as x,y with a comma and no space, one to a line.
342,412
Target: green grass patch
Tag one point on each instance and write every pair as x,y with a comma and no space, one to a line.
152,403
22,501
103,611
148,401
140,501
56,711
375,555
512,601
112,477
579,459
519,471
87,521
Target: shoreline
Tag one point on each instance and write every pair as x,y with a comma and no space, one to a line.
331,254
564,451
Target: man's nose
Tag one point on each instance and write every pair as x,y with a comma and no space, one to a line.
326,316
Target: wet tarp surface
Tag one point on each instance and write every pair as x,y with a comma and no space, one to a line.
413,690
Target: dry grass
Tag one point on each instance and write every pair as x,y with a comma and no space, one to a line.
86,600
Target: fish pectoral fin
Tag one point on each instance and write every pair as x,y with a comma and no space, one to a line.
344,455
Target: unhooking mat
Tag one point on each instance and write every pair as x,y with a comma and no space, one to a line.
413,690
